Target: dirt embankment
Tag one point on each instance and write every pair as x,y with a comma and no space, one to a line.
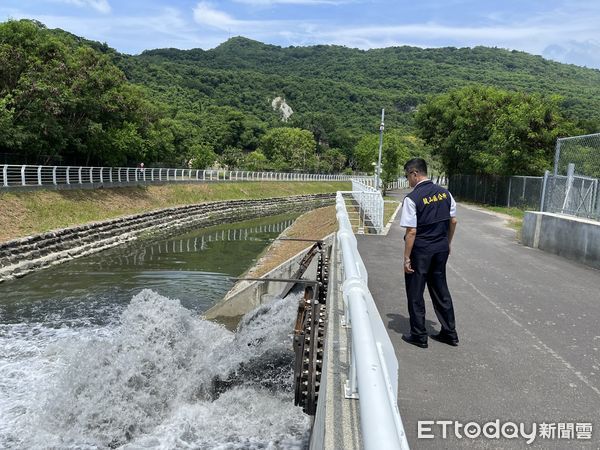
315,224
24,213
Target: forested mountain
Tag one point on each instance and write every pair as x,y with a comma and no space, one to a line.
65,99
353,85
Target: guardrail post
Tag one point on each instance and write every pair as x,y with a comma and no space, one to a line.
23,181
5,175
39,175
544,187
79,175
91,175
351,385
101,177
54,175
110,179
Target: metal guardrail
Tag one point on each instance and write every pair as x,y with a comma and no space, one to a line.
400,183
36,176
370,201
373,374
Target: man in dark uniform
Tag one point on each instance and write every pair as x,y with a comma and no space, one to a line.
429,216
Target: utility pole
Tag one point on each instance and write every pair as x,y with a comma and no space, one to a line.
378,175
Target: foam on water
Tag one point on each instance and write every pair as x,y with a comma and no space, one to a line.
157,377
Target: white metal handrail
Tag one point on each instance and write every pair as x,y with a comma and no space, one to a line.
374,368
38,175
371,201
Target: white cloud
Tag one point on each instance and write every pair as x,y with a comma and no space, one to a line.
206,14
129,34
294,2
99,5
586,53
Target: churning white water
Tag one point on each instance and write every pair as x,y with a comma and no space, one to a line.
155,376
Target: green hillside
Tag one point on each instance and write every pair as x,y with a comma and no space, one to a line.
350,84
67,100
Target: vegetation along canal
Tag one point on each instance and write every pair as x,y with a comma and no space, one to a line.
109,351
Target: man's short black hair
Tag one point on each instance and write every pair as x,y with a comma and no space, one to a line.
417,164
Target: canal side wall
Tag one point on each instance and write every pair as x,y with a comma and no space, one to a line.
25,255
244,296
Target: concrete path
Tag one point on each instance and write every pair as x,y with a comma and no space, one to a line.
529,328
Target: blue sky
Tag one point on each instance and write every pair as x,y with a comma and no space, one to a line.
566,31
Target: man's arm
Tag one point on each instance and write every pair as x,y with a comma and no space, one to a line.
409,241
451,230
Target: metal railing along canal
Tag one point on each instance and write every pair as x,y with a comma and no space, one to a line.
37,176
373,374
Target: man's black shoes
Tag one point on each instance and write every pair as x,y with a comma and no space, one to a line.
445,339
414,341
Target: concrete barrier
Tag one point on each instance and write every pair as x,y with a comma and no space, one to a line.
571,237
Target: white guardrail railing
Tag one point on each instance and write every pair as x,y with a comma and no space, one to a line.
35,175
370,202
374,368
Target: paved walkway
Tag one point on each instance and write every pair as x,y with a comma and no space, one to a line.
529,328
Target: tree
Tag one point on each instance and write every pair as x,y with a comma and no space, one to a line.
288,148
201,156
256,161
394,153
333,161
67,100
232,158
490,131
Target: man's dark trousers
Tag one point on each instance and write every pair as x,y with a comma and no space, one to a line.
430,270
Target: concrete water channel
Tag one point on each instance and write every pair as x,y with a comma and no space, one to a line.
110,351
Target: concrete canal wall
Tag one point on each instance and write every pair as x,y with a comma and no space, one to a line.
22,256
244,296
571,237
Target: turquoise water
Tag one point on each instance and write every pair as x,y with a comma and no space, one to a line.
194,267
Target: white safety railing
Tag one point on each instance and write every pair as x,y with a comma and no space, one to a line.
373,374
35,175
370,201
400,183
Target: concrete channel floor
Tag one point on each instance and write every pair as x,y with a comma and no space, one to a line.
529,328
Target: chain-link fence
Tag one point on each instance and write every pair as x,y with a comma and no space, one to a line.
573,188
495,190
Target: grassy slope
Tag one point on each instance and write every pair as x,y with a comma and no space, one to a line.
26,213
